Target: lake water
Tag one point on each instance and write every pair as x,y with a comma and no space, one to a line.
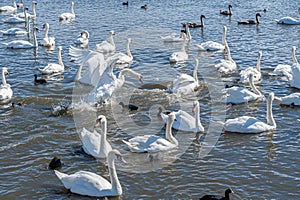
255,166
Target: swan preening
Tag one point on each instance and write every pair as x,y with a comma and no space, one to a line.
5,90
95,144
249,21
47,41
179,56
186,122
83,38
91,184
214,46
107,47
217,197
227,12
153,143
54,68
247,124
186,84
68,16
290,100
9,8
23,44
244,74
238,95
126,59
228,65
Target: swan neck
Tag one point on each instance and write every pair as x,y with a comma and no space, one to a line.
197,118
111,40
258,63
128,49
34,38
72,9
3,78
270,119
295,61
228,52
33,9
253,87
115,183
103,136
46,31
169,135
127,71
195,72
78,75
224,37
60,62
201,20
257,19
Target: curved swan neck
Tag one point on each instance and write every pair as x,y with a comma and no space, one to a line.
253,87
128,71
188,33
201,20
169,135
72,8
3,77
294,55
60,62
115,183
270,119
256,17
33,9
195,70
258,61
111,39
46,31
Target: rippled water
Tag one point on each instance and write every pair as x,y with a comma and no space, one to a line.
258,166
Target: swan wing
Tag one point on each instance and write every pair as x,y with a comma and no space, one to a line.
210,46
291,99
237,95
295,76
52,68
90,142
105,47
184,121
5,92
288,21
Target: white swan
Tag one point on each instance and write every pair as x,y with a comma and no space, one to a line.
5,90
107,47
186,122
9,8
83,38
238,95
153,143
290,100
14,20
186,84
33,15
182,38
288,21
247,124
19,31
244,74
227,66
126,59
54,68
214,46
91,184
23,44
68,16
294,78
179,56
95,144
47,41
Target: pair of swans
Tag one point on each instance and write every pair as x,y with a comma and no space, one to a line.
91,184
107,47
244,74
23,44
186,122
228,65
83,38
247,124
186,84
179,56
68,16
5,89
154,143
238,95
47,41
19,31
250,21
96,144
9,8
54,68
289,20
214,46
184,36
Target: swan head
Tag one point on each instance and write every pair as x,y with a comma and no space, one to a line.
228,191
258,15
271,96
202,16
100,119
112,33
5,70
229,6
195,105
225,29
45,25
260,53
294,48
171,117
115,154
129,40
85,34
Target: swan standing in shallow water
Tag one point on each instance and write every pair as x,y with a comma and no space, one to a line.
186,84
107,47
238,95
47,41
91,184
153,143
186,122
9,8
5,90
179,56
249,21
227,66
214,46
83,38
54,68
68,16
247,124
244,74
126,59
95,144
23,44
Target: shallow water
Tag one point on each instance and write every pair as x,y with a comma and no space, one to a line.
255,166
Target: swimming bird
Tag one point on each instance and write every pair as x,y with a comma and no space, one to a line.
55,163
107,47
90,184
145,7
228,65
47,41
83,38
153,143
23,44
290,100
244,74
214,46
179,56
186,122
96,144
125,3
129,106
294,78
5,89
39,81
217,197
54,68
249,21
9,8
20,4
126,59
226,12
68,16
247,124
14,20
238,95
195,24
